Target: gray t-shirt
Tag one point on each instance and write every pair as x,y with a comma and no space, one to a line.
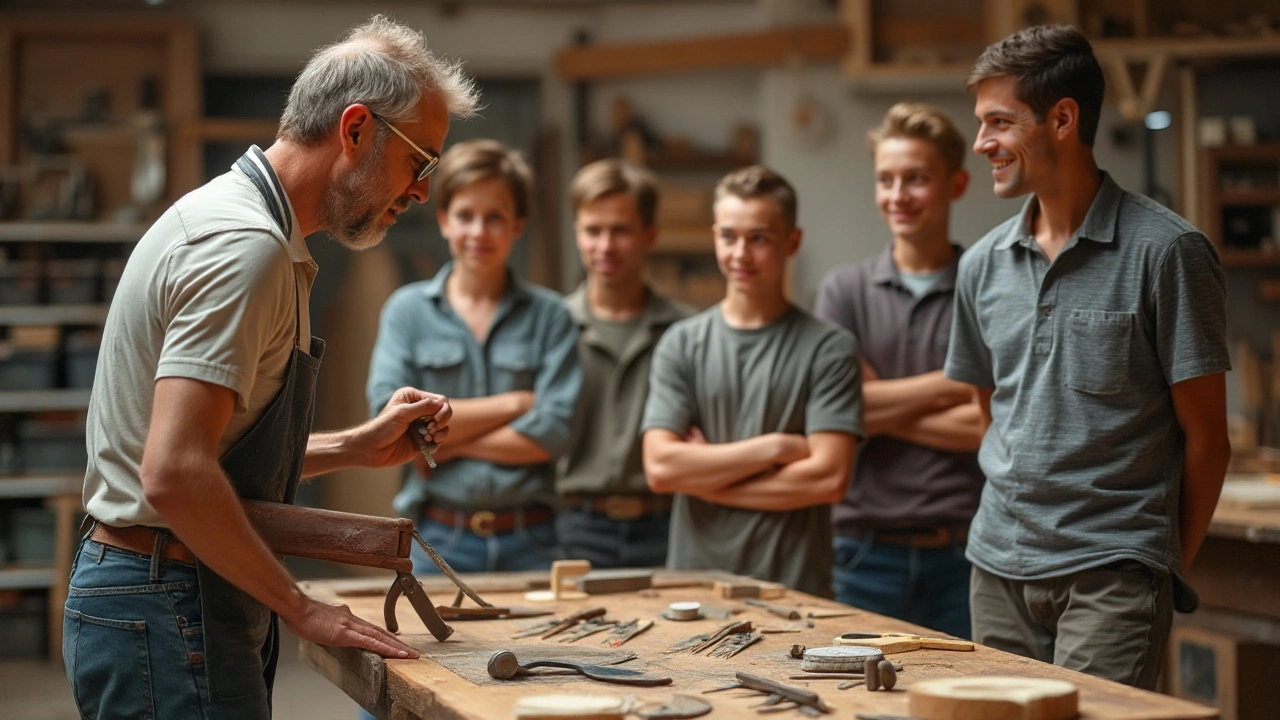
214,292
1084,457
796,375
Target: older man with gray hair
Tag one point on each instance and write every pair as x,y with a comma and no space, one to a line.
205,390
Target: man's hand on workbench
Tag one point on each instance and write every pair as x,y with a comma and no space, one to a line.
386,437
335,625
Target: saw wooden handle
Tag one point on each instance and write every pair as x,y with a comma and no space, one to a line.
334,536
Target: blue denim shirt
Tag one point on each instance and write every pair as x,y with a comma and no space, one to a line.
531,345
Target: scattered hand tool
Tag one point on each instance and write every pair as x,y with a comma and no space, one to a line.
824,614
782,611
623,632
901,642
418,431
574,619
590,627
503,665
698,643
735,644
806,701
677,708
357,540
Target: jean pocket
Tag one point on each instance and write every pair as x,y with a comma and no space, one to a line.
850,552
1096,351
99,653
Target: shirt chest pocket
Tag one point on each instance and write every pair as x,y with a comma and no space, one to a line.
1096,352
440,366
514,367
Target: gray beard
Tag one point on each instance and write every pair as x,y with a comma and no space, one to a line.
353,204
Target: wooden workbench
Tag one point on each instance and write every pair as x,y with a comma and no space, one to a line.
449,680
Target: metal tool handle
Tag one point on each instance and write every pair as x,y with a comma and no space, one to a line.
412,589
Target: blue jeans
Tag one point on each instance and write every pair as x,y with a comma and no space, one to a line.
524,548
925,586
133,640
609,543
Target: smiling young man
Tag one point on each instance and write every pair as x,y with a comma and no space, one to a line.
901,527
1092,325
610,515
754,406
504,350
205,390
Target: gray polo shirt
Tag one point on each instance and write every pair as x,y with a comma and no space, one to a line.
605,455
1084,458
796,375
898,483
531,345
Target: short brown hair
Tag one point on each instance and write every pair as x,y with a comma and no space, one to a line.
917,121
756,181
611,176
471,161
1048,63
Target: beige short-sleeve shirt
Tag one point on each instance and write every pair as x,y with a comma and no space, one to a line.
215,292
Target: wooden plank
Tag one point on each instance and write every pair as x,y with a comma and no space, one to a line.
428,687
106,232
816,43
1258,526
229,130
65,507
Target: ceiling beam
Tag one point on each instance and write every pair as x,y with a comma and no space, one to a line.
814,43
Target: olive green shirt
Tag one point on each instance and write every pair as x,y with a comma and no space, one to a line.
604,456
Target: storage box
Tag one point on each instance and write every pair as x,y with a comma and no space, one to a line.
31,536
19,282
27,369
81,353
1233,673
49,445
72,282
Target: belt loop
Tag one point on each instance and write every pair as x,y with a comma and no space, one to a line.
102,551
157,554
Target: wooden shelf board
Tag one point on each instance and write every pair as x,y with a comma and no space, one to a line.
70,232
1205,47
697,161
1260,154
685,241
53,314
40,400
20,578
1249,197
40,486
815,43
1232,257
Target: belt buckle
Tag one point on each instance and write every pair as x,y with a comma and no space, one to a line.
481,523
623,507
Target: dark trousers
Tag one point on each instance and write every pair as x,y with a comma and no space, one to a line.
925,586
1111,622
589,535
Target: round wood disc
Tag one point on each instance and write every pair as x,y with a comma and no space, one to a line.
838,658
993,698
578,707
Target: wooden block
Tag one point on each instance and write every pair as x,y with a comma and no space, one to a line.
562,570
749,589
993,698
598,582
932,643
886,645
1232,672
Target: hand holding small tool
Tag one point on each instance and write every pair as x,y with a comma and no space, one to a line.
419,431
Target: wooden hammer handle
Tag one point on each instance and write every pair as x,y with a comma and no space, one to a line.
330,535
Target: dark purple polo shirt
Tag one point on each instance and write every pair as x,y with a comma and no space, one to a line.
897,483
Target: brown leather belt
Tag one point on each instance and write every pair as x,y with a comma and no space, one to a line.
621,507
141,540
487,523
935,537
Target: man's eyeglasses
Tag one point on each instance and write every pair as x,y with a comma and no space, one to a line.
432,159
